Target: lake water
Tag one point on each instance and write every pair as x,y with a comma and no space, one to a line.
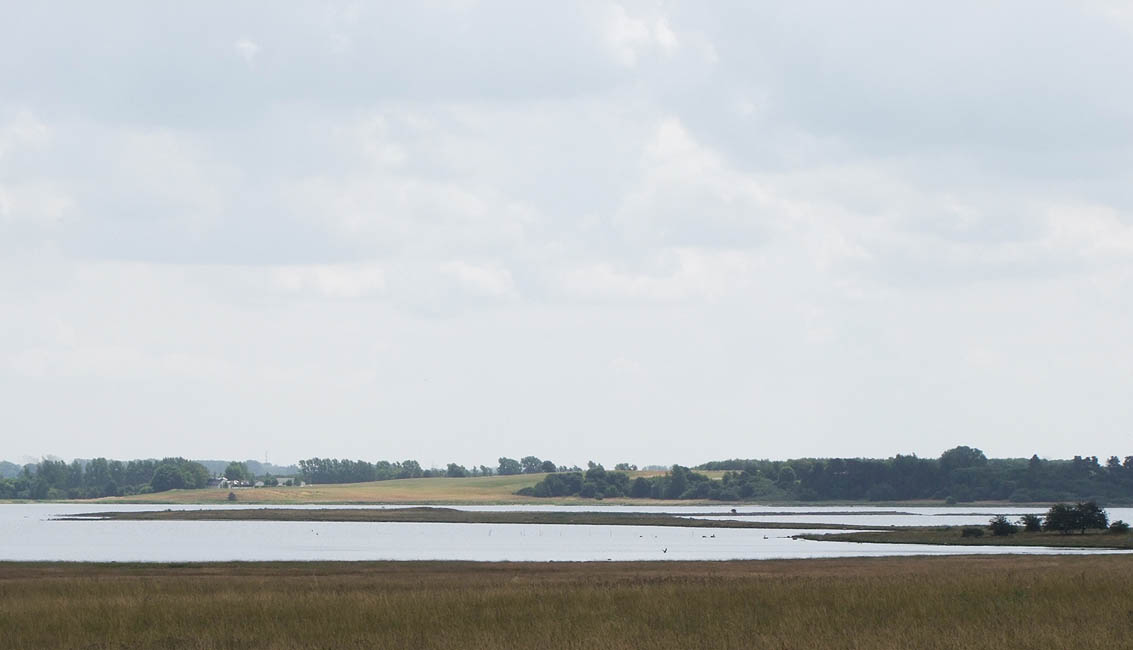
31,532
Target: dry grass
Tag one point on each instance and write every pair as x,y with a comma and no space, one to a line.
881,604
486,490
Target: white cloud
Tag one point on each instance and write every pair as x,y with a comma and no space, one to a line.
481,280
629,37
247,50
23,130
482,205
675,275
330,280
41,203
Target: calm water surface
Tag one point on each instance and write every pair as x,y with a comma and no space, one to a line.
29,532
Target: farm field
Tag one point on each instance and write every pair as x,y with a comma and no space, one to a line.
883,603
484,490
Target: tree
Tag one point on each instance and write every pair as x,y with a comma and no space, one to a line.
548,467
531,464
508,466
960,457
1065,518
236,471
456,471
1090,515
1000,526
1031,523
167,477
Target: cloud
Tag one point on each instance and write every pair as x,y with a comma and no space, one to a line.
769,222
329,280
481,280
247,50
676,274
629,37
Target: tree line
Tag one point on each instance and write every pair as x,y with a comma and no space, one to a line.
958,475
1063,518
344,470
100,477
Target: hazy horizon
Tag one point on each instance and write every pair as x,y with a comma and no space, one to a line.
650,232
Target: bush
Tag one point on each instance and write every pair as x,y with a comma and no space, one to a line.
231,496
1119,527
1000,526
972,531
1031,523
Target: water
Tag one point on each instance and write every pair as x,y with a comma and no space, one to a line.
30,532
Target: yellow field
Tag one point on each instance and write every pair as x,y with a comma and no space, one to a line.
460,491
972,603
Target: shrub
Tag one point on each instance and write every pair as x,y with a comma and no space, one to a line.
231,496
1119,527
1031,523
1000,526
972,531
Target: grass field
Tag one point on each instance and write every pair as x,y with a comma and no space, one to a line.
974,603
950,535
448,515
412,491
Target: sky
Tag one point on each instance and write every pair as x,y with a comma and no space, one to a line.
656,232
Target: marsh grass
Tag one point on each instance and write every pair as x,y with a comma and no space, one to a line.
908,603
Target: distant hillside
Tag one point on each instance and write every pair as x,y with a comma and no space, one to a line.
9,470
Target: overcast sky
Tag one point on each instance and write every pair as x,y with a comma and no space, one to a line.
644,232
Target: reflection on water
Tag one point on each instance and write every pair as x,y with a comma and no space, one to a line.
27,532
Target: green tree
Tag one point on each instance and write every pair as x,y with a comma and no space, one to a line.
962,456
508,466
1066,518
1000,526
167,477
1031,523
531,464
236,471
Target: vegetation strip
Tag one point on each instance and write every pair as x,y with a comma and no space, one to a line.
954,536
975,603
449,515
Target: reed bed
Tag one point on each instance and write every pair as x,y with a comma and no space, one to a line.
881,603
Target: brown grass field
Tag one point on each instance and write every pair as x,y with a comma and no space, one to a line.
486,490
974,603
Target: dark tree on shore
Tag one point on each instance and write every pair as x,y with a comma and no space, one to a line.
1065,518
1000,526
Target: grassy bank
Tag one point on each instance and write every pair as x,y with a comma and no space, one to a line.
411,491
951,535
447,515
896,603
473,490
